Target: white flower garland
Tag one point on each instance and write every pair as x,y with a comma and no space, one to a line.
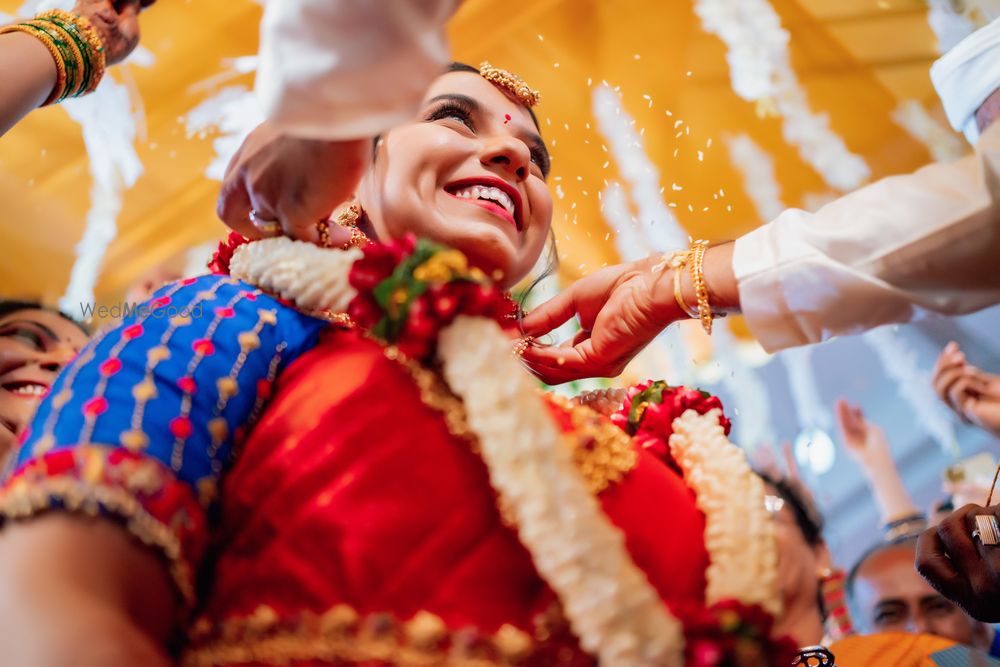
315,278
761,71
739,535
608,601
610,605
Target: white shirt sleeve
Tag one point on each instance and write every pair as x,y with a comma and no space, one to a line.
347,69
927,241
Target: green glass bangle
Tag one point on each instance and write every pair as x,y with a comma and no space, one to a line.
85,48
69,60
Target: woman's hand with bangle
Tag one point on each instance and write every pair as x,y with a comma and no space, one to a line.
621,309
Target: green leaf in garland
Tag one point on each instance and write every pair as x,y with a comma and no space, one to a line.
652,394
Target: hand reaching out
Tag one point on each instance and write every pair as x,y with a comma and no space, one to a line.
618,314
970,392
292,181
865,442
621,309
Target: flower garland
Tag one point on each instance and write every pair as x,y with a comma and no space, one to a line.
314,278
687,429
427,301
649,410
739,535
610,605
408,291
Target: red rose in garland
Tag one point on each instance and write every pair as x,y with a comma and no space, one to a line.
408,291
224,253
650,409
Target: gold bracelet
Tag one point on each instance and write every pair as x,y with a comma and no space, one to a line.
45,39
72,57
676,261
86,31
696,265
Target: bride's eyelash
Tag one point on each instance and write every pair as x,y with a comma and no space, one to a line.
463,113
453,110
539,157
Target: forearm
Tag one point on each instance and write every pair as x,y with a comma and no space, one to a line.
81,592
28,73
890,493
336,69
925,241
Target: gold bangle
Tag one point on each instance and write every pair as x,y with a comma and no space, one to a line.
676,261
45,39
75,65
696,265
679,295
98,57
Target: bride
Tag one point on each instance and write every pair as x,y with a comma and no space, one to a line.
340,462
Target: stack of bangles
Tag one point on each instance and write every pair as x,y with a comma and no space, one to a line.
694,260
75,46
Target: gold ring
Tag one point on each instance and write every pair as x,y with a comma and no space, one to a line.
522,344
265,227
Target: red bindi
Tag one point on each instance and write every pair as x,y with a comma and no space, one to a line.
506,118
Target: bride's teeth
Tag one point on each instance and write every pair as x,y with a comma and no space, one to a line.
491,193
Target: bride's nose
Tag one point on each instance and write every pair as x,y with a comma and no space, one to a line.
509,154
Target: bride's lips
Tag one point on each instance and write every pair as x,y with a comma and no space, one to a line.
517,219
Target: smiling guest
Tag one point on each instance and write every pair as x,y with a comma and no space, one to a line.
890,596
35,343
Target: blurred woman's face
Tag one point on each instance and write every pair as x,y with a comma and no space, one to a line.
34,347
470,173
799,563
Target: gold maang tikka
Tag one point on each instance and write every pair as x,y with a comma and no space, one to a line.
511,83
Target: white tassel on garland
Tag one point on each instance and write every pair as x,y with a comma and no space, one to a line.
940,141
109,130
761,71
757,169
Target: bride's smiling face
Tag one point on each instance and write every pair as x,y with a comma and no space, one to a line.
469,172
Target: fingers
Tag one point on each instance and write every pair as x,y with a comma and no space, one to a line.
337,236
842,410
937,568
956,535
947,369
552,314
128,21
233,206
556,365
852,423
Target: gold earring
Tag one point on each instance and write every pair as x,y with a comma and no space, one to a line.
348,219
